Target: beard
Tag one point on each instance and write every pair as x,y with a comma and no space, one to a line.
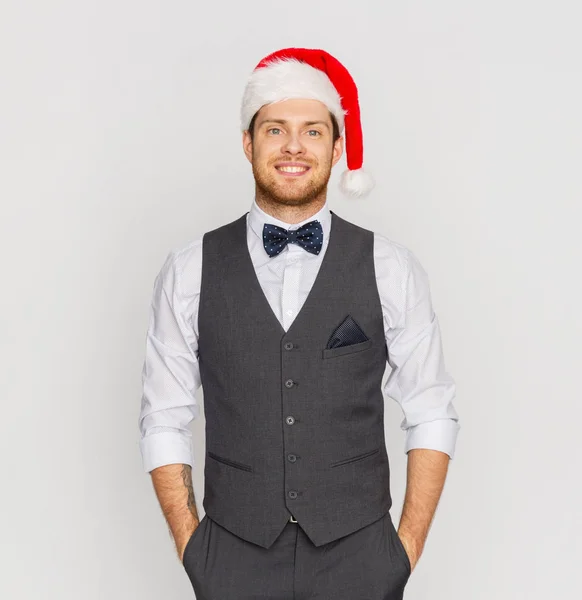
292,192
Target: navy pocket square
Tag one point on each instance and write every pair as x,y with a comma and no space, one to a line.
348,332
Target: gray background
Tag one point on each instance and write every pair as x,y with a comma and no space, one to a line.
119,140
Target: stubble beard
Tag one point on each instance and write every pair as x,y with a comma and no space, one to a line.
273,192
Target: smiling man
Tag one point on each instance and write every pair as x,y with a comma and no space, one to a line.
287,317
292,146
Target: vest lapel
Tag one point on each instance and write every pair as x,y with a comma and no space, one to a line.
324,272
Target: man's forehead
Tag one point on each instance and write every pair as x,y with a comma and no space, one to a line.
305,112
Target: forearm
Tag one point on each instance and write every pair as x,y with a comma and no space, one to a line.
173,486
426,474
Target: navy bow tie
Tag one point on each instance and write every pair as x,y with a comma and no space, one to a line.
308,236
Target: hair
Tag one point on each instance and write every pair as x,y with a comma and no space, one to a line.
335,127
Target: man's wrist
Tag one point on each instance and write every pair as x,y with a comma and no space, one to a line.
412,545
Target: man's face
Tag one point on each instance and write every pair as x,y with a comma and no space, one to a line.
293,150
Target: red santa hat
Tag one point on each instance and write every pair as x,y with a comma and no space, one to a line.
317,75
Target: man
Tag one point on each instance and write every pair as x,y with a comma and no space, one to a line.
287,317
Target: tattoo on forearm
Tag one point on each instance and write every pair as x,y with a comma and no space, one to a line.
187,478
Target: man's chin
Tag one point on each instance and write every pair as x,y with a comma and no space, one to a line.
291,199
291,193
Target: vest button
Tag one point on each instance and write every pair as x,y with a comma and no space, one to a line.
289,420
292,494
291,457
288,345
289,383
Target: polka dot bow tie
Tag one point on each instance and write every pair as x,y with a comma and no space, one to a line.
308,236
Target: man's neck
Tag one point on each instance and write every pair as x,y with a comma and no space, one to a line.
289,213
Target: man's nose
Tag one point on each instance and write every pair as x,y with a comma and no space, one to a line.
293,144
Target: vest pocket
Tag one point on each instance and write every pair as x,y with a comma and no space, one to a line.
230,463
337,463
343,350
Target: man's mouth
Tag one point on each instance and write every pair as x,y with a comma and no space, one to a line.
293,170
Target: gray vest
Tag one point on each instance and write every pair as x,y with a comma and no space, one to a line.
292,427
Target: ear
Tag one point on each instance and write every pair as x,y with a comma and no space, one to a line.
247,145
338,149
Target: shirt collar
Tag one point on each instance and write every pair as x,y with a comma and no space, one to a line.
258,217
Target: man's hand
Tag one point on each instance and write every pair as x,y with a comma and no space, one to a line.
181,546
412,550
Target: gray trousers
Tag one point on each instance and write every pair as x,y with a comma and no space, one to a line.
368,564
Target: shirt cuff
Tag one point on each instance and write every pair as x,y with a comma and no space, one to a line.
165,448
440,434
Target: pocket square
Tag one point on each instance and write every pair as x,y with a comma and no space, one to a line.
346,333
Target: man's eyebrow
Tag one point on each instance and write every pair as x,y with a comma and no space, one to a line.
280,121
317,123
283,122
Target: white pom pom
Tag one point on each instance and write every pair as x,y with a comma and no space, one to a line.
356,183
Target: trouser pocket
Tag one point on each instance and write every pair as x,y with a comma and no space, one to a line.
186,558
401,550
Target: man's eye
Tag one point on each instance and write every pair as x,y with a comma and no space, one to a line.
274,129
314,131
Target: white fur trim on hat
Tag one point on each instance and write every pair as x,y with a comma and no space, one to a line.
356,183
288,78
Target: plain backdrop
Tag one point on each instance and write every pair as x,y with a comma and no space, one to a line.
119,141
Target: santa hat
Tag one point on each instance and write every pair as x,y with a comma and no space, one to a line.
317,75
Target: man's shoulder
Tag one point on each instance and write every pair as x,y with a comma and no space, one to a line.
187,257
187,252
391,258
226,228
386,247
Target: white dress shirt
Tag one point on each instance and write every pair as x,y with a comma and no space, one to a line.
418,380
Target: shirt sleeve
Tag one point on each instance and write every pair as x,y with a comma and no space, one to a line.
419,381
170,374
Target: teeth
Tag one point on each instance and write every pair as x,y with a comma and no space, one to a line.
292,169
